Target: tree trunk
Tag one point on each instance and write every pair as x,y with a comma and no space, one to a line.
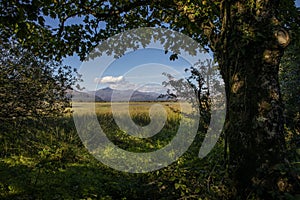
254,124
249,56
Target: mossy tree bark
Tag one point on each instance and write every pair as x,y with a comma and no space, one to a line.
249,54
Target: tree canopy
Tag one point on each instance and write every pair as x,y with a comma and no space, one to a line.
204,21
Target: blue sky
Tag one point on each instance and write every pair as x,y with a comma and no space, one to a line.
138,70
135,70
143,67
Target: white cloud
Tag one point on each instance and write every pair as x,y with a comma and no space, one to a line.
110,79
119,83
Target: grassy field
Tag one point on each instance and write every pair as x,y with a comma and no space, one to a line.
46,160
135,108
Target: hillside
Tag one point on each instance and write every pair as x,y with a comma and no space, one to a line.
109,94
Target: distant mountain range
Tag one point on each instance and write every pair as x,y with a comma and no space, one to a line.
108,94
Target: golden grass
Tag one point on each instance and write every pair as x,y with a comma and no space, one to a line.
135,108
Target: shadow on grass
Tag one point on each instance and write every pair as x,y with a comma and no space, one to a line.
56,180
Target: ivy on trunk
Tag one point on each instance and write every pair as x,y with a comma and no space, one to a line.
249,53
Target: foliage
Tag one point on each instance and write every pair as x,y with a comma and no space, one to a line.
194,89
204,21
32,87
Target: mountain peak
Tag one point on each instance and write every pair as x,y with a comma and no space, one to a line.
106,89
123,95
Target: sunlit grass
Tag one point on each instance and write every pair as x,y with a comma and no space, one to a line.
139,113
134,107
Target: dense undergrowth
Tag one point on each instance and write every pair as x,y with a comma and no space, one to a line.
46,159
